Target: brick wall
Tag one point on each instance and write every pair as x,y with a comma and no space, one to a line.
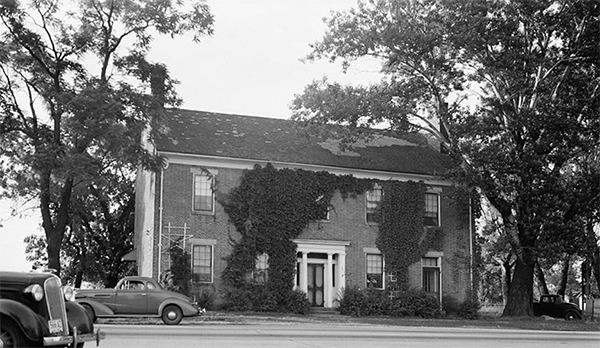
346,223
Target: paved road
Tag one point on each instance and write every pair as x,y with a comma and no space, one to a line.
301,335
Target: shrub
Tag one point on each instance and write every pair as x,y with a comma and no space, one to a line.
237,300
352,302
450,305
357,302
298,303
469,309
205,298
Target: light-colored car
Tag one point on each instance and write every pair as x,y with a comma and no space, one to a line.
137,297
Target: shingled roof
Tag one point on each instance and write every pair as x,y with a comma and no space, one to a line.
277,140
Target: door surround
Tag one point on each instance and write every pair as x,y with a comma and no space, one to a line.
335,252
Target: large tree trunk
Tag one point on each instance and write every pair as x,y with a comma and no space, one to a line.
520,296
539,272
564,276
506,280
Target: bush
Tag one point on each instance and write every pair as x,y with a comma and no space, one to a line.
298,303
469,309
237,300
205,298
357,302
450,305
352,302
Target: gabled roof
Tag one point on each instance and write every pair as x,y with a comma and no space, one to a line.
278,140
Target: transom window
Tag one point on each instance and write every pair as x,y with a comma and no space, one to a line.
432,210
203,192
373,199
202,263
375,271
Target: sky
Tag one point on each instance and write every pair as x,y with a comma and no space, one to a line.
249,66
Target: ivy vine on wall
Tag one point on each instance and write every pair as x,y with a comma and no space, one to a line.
271,207
402,238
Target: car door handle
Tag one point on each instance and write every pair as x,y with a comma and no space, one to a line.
143,294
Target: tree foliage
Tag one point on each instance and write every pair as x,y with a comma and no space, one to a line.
75,95
99,235
511,89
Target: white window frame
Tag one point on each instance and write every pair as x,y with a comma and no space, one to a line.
210,243
374,251
210,174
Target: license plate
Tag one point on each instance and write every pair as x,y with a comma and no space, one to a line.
55,325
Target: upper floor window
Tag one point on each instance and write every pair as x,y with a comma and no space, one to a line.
203,192
375,271
432,210
373,199
202,263
260,274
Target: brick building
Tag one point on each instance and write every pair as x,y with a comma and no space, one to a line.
206,155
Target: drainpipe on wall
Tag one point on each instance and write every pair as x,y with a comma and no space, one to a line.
160,222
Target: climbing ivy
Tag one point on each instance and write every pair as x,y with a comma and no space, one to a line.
269,209
402,238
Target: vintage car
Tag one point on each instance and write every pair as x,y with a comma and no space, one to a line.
36,310
554,306
137,297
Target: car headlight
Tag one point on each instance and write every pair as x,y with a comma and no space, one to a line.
68,293
35,291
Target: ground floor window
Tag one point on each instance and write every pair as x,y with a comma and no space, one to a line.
375,271
431,274
202,263
260,274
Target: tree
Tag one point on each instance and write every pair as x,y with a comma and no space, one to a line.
511,90
74,95
100,234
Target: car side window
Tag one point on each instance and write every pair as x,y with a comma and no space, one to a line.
137,286
151,286
133,285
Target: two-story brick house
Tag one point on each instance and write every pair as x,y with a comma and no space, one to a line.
206,155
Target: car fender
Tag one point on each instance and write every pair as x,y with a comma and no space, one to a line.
186,308
32,325
78,318
100,309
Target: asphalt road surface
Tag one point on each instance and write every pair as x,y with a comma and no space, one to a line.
301,335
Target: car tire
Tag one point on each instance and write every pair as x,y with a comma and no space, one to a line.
172,315
89,311
571,316
11,335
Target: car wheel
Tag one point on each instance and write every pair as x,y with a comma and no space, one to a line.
89,311
172,315
11,335
571,316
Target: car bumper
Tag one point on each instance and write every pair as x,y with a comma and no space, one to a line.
75,339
